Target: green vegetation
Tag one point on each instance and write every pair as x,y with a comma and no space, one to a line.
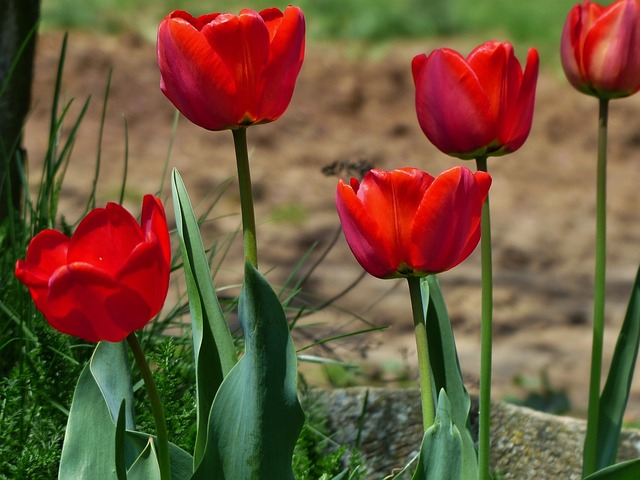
524,23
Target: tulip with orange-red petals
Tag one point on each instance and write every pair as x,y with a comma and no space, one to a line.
406,223
600,48
106,281
477,106
225,71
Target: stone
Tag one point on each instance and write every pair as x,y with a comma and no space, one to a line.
386,426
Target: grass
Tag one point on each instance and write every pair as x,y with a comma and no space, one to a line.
524,23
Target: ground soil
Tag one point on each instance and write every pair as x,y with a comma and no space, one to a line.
354,104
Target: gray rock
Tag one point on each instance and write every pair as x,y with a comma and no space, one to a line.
525,444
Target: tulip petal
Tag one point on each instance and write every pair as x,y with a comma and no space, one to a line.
446,228
452,106
285,60
242,42
518,115
193,77
105,238
85,302
367,241
611,50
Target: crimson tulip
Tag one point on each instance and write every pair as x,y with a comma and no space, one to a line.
479,106
406,223
600,48
224,71
106,281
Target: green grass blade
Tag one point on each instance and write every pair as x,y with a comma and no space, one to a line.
213,345
616,390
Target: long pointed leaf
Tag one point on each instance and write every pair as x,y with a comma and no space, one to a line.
441,451
212,341
629,470
615,395
256,417
446,369
89,449
146,465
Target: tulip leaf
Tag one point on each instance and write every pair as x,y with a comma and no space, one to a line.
615,395
441,451
446,369
213,345
181,461
256,417
89,448
629,470
146,466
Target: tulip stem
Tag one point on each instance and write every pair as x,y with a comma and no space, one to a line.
156,406
246,195
591,438
486,329
424,365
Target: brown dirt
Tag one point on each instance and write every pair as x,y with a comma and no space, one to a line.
354,103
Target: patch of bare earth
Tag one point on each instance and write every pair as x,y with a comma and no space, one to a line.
353,104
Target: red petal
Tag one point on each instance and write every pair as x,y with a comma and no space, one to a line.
368,242
286,55
453,108
105,238
612,50
242,43
194,77
447,225
47,252
518,117
85,302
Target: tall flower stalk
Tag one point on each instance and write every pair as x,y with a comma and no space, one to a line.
600,53
246,196
476,107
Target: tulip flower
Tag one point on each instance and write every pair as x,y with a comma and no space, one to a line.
106,281
406,223
600,48
224,71
479,106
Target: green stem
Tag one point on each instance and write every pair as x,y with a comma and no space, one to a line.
486,328
424,365
246,195
156,407
590,443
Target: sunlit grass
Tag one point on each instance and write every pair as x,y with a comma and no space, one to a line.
524,23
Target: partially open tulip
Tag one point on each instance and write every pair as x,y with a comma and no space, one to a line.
407,223
106,281
224,71
600,48
479,106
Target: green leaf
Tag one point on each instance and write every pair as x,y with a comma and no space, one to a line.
181,461
89,448
146,465
214,350
615,395
629,470
441,450
256,417
446,369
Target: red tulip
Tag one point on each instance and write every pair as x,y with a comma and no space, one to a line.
408,223
600,48
224,71
479,106
106,281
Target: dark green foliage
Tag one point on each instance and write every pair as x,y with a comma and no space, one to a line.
175,380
